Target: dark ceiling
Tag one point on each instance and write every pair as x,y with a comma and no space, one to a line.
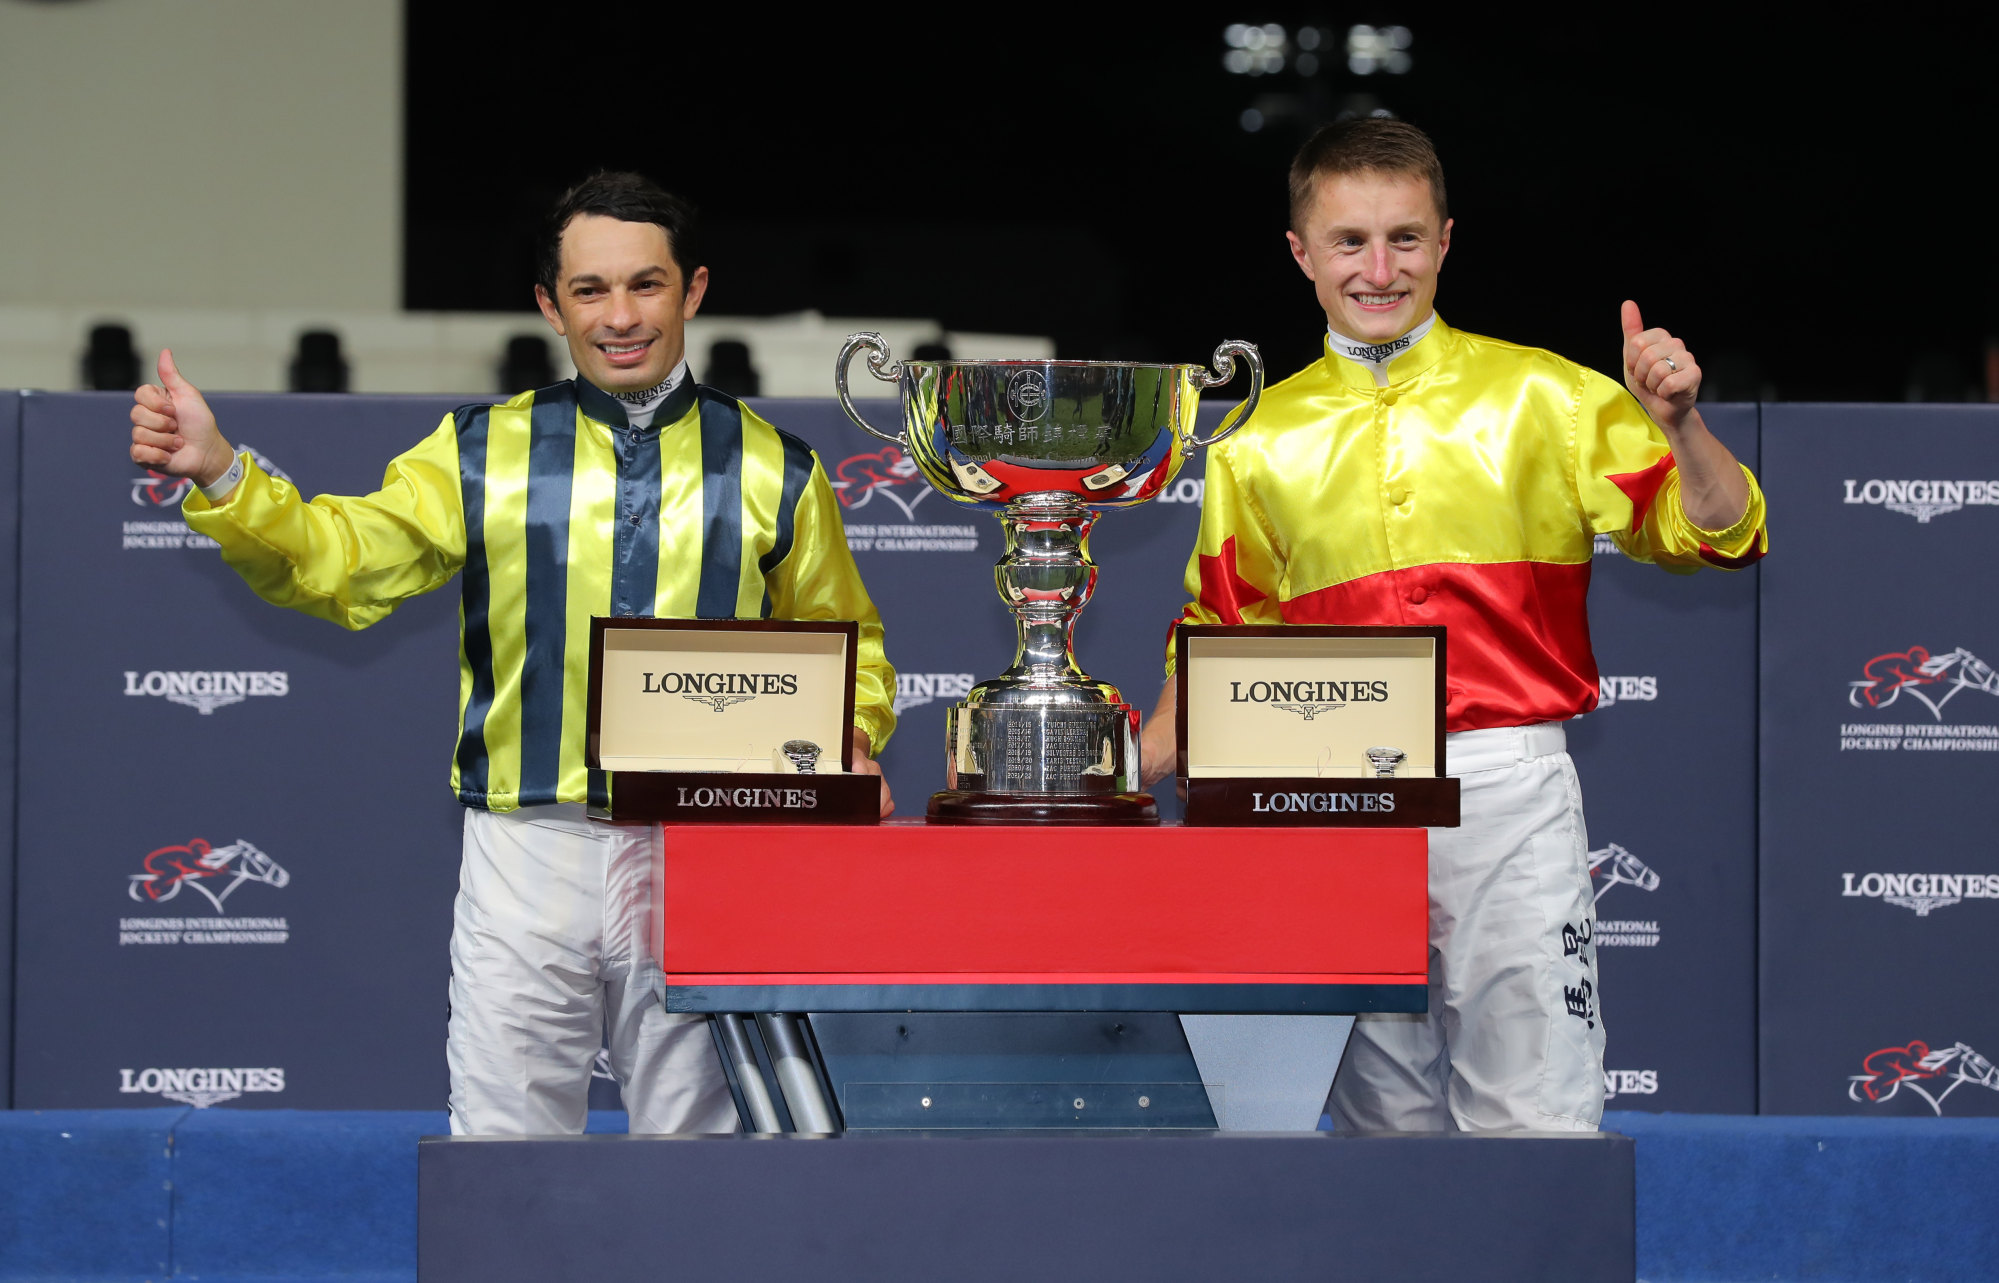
1806,205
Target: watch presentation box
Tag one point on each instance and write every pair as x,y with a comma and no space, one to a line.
1312,725
727,721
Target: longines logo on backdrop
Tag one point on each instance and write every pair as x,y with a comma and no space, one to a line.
158,490
213,873
890,476
1630,1082
720,690
1923,499
1308,699
1930,681
1921,892
1185,490
1613,866
1612,691
206,690
1931,1074
914,689
200,1087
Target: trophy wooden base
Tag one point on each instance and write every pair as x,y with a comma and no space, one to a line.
959,806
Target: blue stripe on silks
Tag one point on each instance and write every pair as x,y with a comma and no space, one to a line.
551,472
635,526
721,505
797,471
475,603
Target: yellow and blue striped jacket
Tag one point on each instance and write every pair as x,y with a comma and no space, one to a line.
556,509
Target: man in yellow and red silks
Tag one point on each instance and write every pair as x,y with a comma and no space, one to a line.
1416,474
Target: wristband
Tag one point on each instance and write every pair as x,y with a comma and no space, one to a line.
218,490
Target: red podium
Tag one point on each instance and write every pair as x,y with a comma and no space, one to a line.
906,916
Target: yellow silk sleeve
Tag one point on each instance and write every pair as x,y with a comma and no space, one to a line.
1629,487
820,581
1236,571
351,560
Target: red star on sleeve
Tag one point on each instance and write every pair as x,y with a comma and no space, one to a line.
1223,591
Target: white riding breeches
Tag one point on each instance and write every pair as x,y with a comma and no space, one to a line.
1514,1037
549,962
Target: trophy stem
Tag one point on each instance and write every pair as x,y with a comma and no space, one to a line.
1043,743
1046,577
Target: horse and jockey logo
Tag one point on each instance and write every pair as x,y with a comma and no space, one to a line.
1933,680
214,872
1615,866
1931,1074
158,490
887,472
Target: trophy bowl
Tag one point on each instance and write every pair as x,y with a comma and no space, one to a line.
1108,433
1046,445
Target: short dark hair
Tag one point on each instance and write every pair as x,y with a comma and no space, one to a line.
1369,144
629,198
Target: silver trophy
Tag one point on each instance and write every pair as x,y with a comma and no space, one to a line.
1046,445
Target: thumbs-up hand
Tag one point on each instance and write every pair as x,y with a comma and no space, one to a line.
173,430
1659,370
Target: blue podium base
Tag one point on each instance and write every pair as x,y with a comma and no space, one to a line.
1162,1207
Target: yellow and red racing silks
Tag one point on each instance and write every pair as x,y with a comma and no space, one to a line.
1467,493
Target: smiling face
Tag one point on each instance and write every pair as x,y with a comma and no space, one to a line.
1372,246
620,302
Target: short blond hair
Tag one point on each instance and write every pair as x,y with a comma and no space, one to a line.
1368,145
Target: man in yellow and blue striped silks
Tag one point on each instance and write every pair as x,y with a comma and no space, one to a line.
628,490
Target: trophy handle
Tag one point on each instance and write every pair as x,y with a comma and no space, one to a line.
1224,363
885,368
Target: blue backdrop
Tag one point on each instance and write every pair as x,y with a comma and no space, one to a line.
169,721
1668,769
1880,752
10,560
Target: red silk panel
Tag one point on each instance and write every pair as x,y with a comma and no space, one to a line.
1519,633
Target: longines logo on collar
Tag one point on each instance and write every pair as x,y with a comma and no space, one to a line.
1308,699
720,690
1922,499
1376,352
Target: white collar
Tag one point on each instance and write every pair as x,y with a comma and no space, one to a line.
1376,356
641,406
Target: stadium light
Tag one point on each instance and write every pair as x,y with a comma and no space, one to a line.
1372,49
1255,50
